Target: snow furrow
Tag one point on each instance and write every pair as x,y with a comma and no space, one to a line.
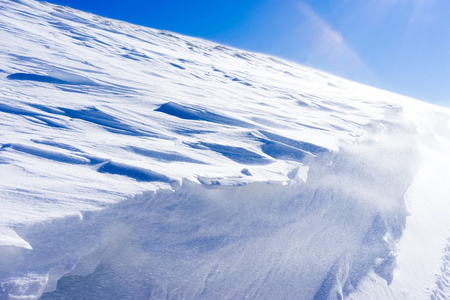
442,289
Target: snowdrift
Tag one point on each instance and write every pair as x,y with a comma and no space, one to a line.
141,164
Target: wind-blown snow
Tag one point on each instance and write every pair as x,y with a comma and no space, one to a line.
137,163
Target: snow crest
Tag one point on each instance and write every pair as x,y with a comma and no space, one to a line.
215,241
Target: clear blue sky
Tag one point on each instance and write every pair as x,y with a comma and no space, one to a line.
398,45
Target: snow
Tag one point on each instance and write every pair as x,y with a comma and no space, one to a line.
137,163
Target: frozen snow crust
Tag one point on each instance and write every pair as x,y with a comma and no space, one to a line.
141,164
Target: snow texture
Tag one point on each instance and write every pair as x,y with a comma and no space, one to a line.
142,164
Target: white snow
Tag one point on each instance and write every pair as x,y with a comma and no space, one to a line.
137,163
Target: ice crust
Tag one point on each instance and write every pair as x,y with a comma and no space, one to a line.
142,164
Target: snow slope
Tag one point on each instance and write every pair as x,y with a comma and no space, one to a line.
137,163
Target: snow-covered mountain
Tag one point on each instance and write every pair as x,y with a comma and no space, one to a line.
141,164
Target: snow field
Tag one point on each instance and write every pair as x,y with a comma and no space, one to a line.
136,163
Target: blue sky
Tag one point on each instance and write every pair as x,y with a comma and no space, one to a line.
398,45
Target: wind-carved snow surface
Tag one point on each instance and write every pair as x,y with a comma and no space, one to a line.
141,164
